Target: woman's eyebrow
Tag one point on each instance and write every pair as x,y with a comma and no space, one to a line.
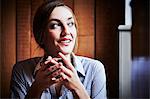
57,20
70,18
54,20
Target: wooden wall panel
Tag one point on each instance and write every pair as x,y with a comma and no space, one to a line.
84,11
8,44
85,46
69,3
23,29
109,15
35,48
141,28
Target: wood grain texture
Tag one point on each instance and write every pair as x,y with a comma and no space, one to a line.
84,11
23,29
109,15
35,48
85,46
8,44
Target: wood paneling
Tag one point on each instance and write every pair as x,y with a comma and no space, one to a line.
69,3
84,11
141,28
35,48
109,15
85,46
8,44
23,29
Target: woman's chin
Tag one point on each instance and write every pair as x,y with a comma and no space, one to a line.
66,51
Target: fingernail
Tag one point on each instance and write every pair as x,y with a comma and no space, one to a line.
49,58
53,78
60,53
60,64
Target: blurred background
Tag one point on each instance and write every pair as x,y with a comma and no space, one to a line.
98,38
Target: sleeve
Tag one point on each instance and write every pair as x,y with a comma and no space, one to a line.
18,85
99,82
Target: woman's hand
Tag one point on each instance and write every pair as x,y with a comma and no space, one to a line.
45,77
71,79
69,74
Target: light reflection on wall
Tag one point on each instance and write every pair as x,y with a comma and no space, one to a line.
140,77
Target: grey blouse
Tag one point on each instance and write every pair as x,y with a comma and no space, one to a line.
91,73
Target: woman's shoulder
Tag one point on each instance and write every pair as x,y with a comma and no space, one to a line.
26,64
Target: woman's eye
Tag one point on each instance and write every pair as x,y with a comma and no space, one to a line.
70,24
55,26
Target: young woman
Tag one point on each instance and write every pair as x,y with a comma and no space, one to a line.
59,73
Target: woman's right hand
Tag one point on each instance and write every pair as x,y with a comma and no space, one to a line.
45,77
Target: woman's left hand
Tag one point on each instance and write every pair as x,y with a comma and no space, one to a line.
71,79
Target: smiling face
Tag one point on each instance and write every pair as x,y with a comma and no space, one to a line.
61,32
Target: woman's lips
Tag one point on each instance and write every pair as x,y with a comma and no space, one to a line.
65,41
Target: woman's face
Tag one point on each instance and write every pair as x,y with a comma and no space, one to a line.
61,32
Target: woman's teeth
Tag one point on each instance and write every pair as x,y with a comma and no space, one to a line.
66,41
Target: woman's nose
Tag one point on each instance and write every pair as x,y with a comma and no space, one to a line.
66,30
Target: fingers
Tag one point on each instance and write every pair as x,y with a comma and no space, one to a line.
66,61
61,73
56,77
64,77
43,66
58,80
55,74
51,61
57,59
65,70
54,68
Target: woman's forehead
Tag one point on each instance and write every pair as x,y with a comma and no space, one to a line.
61,13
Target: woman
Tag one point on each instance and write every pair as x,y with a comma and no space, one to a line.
59,73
